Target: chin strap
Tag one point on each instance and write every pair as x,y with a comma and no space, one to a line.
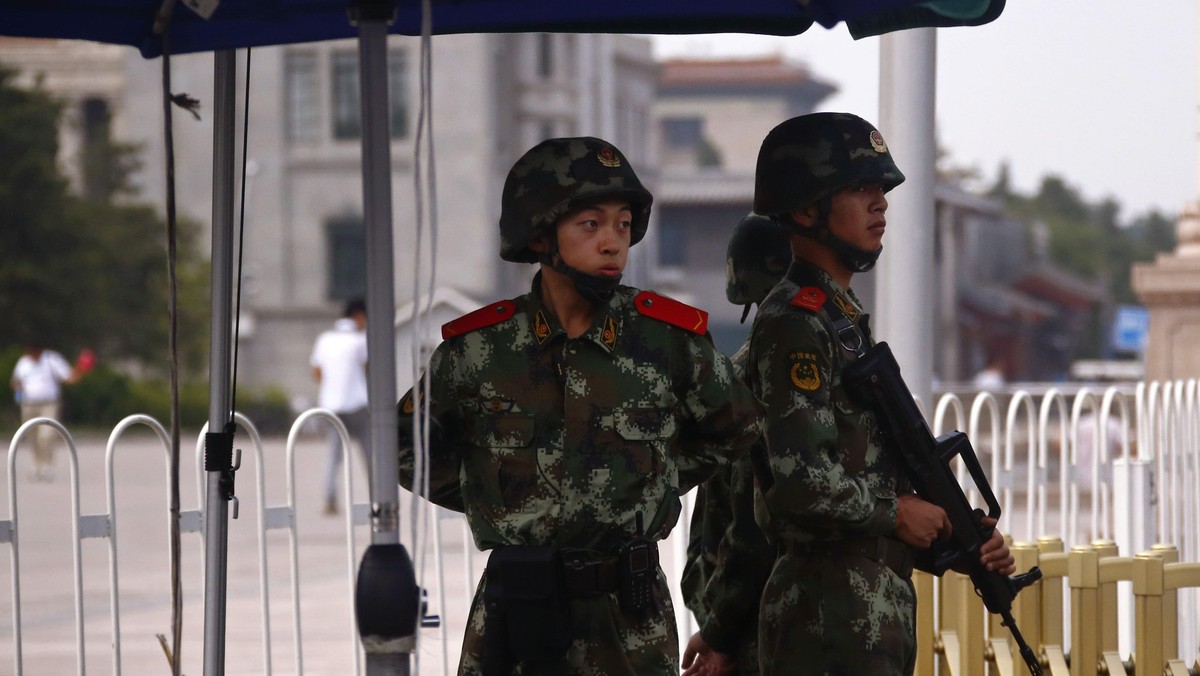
854,258
594,288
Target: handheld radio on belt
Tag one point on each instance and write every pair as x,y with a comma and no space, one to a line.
638,561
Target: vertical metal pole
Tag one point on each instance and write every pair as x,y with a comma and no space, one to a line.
216,509
386,598
381,304
904,304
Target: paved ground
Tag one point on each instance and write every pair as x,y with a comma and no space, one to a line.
49,642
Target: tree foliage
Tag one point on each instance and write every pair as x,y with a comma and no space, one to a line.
1090,238
83,270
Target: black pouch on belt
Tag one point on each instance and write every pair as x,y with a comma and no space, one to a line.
525,584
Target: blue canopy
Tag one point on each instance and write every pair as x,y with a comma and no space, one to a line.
254,23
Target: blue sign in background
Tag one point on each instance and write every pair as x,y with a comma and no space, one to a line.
1130,328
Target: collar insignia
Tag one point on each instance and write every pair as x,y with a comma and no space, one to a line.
609,335
541,328
846,306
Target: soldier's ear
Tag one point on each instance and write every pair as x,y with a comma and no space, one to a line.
805,216
540,244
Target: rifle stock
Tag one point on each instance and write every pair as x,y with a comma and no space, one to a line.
874,381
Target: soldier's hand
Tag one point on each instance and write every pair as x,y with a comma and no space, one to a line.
701,660
919,523
994,554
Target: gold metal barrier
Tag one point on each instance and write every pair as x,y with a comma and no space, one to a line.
961,647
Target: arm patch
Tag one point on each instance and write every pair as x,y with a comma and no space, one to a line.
672,312
478,319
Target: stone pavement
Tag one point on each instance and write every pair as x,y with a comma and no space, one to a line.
326,568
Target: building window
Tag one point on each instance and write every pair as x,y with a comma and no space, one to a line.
347,113
545,56
683,132
300,81
346,238
672,243
347,119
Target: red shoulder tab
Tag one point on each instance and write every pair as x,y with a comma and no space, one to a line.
672,312
810,298
484,316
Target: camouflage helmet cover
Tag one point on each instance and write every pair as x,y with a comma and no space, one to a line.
559,175
756,259
813,156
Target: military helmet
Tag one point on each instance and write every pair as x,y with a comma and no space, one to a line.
813,156
561,174
756,259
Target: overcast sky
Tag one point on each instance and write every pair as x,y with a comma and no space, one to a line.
1100,92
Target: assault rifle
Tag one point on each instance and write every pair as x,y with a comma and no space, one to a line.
874,381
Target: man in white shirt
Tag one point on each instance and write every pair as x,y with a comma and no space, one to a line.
36,383
339,365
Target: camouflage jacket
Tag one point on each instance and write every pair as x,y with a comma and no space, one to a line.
729,559
826,474
542,439
712,512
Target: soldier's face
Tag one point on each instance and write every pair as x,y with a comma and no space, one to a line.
595,239
856,216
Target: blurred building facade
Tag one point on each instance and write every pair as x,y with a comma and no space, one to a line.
494,96
691,127
711,116
999,296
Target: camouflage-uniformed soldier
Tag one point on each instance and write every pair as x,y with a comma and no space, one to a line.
724,539
567,422
839,599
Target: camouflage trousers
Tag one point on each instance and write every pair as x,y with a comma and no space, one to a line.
606,641
836,614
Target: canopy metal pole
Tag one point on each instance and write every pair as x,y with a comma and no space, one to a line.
386,596
216,509
905,300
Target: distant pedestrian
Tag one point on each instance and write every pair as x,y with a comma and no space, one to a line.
339,365
37,384
990,377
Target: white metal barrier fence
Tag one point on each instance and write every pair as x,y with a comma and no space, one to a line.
1121,463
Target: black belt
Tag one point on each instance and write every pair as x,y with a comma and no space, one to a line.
586,574
885,551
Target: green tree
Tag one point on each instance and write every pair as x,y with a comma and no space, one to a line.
83,271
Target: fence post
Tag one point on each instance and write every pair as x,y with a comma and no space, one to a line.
964,637
926,632
1107,600
1083,574
1170,603
1149,637
1053,562
1027,608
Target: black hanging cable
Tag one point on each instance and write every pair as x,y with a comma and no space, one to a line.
163,24
241,246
